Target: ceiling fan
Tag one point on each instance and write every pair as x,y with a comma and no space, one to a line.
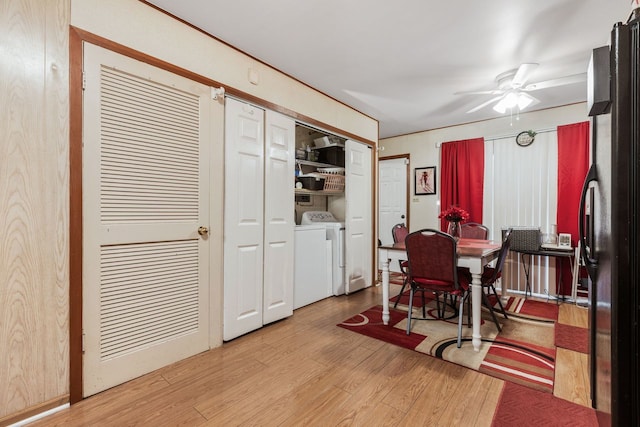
512,91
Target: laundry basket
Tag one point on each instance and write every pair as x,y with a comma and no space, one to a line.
333,182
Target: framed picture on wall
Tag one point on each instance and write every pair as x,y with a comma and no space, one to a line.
425,180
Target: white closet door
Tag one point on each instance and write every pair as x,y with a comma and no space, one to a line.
145,193
392,201
243,218
358,192
279,219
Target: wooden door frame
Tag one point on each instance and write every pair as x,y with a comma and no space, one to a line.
76,39
406,156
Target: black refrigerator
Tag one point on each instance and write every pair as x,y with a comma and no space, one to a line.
609,229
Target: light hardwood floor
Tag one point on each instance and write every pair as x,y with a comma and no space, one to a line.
306,371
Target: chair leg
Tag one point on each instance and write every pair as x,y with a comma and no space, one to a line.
424,306
486,301
502,310
438,304
462,300
410,310
404,284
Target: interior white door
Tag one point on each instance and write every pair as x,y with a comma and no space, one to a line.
145,194
392,199
243,218
279,217
359,214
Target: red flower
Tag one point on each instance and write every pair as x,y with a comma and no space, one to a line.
454,213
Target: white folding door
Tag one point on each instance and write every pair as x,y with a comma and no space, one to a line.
259,217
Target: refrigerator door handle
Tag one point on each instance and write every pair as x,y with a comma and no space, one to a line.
590,263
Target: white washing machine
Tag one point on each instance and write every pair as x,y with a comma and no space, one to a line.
312,279
335,233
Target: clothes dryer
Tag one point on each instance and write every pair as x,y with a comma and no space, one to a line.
335,232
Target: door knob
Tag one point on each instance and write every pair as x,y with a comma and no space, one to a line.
203,230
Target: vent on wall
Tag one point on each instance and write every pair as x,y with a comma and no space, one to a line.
148,294
149,150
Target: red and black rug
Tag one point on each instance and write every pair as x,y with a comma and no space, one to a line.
523,353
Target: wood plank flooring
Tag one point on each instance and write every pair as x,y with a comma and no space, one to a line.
306,371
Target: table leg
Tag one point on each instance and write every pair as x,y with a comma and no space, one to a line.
385,291
476,303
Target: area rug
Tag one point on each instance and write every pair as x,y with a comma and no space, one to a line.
572,338
523,353
523,406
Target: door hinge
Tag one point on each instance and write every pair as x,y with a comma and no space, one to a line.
83,335
84,80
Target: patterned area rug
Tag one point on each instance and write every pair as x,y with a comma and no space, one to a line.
522,406
572,338
523,353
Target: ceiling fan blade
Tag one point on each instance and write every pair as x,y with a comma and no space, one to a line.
480,92
484,104
561,81
521,76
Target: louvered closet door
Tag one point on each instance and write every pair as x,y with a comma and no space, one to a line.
145,193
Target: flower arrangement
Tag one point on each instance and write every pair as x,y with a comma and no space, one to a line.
454,214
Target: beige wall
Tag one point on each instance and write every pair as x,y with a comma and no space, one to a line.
34,193
136,25
34,166
424,210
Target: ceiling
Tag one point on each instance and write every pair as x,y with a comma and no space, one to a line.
403,62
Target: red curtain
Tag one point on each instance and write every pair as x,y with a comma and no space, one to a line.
462,177
573,165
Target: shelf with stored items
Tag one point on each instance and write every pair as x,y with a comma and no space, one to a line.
300,162
319,163
331,153
323,181
319,192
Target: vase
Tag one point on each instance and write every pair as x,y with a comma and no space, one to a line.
454,229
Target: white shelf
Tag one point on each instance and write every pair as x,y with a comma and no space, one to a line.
328,146
316,164
318,192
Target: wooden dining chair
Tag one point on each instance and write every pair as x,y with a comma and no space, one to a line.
433,268
473,230
399,232
490,276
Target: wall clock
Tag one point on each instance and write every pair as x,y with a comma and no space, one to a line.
525,138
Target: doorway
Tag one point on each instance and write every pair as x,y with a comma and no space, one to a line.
393,183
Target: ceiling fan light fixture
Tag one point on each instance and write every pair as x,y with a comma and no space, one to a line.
511,100
524,101
500,107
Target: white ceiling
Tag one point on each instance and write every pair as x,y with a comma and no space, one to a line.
402,62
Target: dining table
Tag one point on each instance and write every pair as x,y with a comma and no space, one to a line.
472,253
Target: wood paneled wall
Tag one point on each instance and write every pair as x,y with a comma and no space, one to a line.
34,205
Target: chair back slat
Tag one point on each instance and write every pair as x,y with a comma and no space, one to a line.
399,232
432,256
502,256
473,230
